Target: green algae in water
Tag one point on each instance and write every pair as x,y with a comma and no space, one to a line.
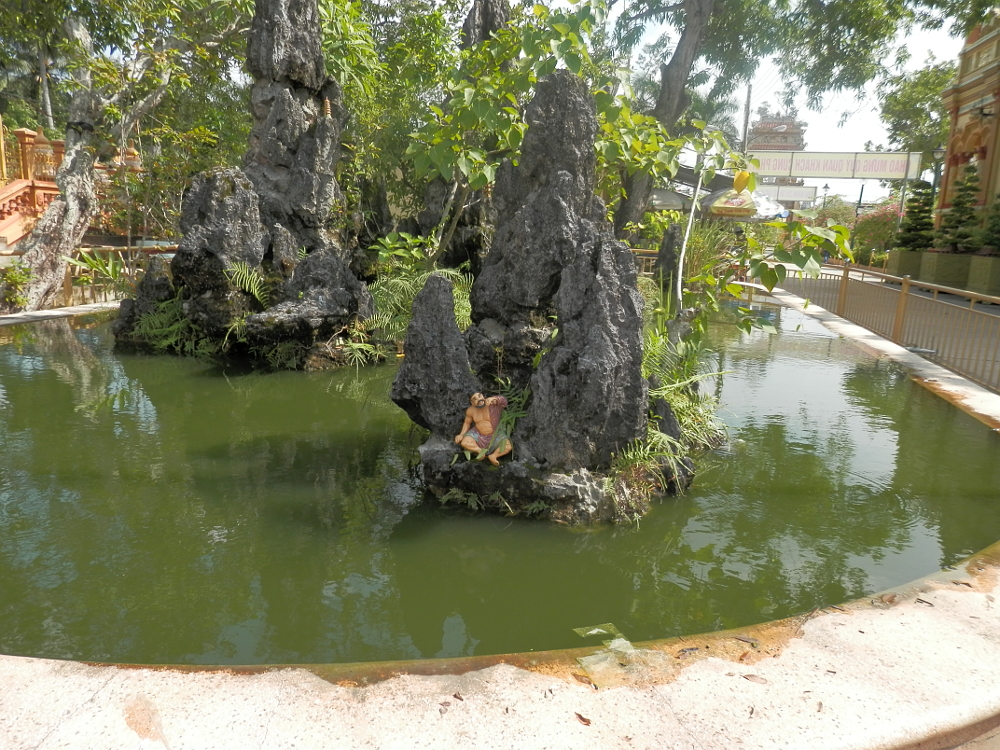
161,510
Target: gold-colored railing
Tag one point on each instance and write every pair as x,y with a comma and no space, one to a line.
953,327
645,260
114,276
126,266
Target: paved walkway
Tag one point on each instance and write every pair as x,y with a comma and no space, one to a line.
59,312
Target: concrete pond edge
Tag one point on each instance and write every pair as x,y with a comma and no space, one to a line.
914,667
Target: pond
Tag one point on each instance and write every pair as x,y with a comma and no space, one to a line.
162,510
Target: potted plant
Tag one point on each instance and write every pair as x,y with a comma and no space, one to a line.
956,237
916,233
984,268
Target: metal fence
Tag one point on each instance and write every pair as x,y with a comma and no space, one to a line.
957,329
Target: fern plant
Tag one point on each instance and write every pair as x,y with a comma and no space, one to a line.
285,355
250,280
167,329
643,469
395,289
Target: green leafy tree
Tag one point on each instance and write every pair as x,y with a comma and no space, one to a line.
916,230
710,99
416,52
123,58
913,111
874,232
820,47
833,209
481,121
958,231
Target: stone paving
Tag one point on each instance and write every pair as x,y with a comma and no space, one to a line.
59,312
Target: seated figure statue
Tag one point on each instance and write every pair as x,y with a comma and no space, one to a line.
481,431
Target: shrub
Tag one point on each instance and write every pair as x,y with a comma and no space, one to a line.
958,232
916,231
874,232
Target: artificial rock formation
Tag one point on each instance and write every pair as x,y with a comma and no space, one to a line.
555,310
276,215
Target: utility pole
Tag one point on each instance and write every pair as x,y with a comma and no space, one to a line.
746,120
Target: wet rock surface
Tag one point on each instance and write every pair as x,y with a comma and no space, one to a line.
555,310
274,219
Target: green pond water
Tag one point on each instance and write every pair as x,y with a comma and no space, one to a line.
162,510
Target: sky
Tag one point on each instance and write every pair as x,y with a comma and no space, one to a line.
824,133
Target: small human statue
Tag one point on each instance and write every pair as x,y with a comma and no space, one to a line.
481,431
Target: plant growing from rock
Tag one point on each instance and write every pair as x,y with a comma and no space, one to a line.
481,123
167,330
402,273
645,468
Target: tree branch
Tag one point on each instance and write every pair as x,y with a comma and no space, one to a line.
653,13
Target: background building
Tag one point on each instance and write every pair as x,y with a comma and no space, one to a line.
972,102
777,132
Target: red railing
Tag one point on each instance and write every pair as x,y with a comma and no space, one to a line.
32,184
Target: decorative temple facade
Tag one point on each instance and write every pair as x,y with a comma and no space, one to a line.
777,132
972,101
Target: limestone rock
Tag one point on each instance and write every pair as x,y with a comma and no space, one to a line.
555,308
435,381
292,157
485,18
589,398
321,298
221,224
280,207
544,206
578,497
285,42
154,288
220,220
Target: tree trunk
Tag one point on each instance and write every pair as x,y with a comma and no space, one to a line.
671,101
43,79
60,229
665,270
638,189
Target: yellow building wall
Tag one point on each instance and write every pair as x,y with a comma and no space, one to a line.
972,100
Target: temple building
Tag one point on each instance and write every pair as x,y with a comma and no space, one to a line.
972,102
777,132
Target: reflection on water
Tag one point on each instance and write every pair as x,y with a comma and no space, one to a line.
162,510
